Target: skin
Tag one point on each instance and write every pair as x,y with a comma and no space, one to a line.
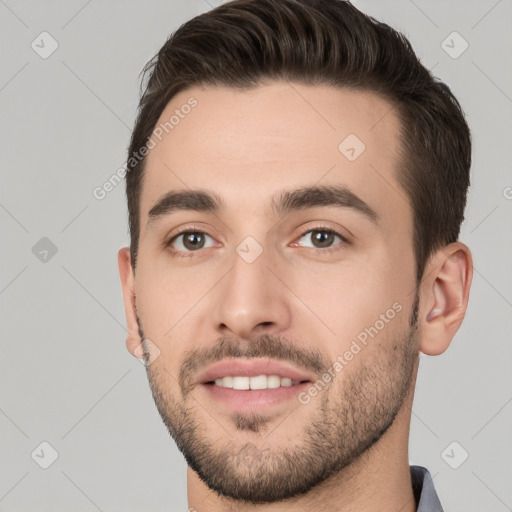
245,146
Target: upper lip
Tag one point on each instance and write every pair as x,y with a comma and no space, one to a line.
252,368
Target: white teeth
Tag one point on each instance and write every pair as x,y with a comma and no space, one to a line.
273,381
258,382
286,382
240,382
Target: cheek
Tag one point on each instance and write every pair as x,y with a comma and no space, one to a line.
164,290
169,300
160,312
346,299
157,299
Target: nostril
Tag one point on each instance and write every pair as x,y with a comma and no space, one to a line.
265,325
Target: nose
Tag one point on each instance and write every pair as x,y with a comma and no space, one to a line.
252,299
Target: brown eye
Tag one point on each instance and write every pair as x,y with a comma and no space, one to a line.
189,241
321,238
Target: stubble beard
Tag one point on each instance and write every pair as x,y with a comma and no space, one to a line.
346,420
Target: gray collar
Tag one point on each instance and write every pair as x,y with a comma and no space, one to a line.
424,492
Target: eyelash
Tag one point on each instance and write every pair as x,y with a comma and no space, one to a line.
193,229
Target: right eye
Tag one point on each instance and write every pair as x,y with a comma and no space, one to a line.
187,242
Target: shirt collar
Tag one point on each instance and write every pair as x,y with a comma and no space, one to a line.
424,491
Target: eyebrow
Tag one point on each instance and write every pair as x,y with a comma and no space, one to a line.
284,202
311,197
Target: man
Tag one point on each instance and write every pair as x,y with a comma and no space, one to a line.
296,185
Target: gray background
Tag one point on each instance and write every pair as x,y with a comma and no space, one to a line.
65,375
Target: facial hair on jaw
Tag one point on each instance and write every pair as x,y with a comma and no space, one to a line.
346,422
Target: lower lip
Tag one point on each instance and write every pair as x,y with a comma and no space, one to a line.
250,399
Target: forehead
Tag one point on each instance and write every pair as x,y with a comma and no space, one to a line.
247,145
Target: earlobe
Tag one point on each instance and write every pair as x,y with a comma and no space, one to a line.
133,339
445,295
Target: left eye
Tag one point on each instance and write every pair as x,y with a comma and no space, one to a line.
192,241
321,238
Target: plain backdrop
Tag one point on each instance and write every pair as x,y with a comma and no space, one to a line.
66,378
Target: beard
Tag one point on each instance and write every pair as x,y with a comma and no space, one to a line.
348,419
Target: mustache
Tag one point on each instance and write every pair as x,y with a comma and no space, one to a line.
269,346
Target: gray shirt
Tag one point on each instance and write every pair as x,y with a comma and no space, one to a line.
424,492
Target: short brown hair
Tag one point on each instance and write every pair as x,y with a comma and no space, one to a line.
246,43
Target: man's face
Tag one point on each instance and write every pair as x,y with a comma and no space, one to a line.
302,284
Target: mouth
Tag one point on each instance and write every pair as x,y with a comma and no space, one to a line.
253,384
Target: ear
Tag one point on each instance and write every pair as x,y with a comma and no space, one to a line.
133,339
444,296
